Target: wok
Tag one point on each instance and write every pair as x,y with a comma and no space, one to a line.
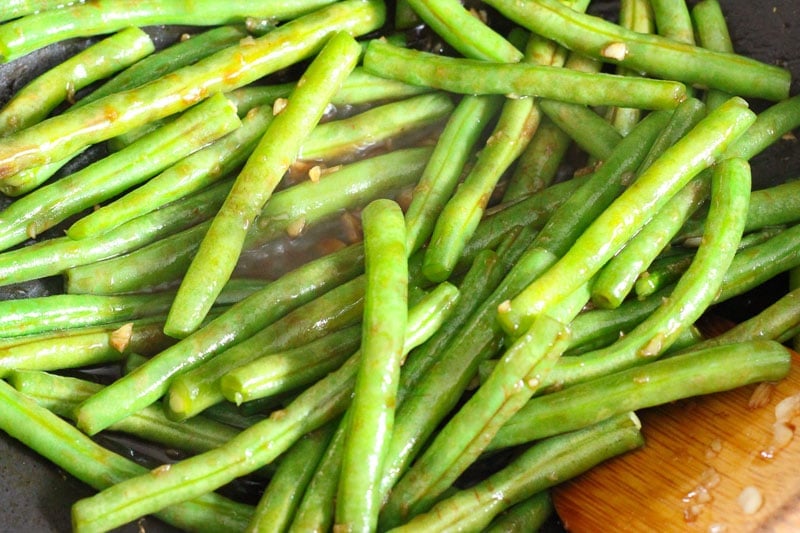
36,496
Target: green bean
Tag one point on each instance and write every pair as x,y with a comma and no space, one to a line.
436,392
63,135
606,235
463,438
221,246
528,515
653,54
27,180
63,311
712,32
317,507
694,292
18,8
589,130
78,348
198,388
635,15
539,467
185,52
361,87
61,395
772,323
149,382
287,370
277,505
538,165
685,117
33,102
99,468
770,126
34,31
372,410
673,20
468,76
44,208
618,277
247,451
190,174
705,370
341,139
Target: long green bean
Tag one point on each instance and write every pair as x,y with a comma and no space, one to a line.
63,135
653,54
19,8
33,102
372,410
184,52
36,30
221,246
147,383
247,452
712,33
606,235
468,76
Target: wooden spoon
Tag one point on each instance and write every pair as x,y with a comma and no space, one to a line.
699,457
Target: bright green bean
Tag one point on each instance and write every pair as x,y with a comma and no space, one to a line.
184,52
589,130
221,246
695,291
33,102
469,76
287,370
61,395
712,32
372,410
538,468
36,30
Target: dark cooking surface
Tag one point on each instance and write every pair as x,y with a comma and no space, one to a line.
35,496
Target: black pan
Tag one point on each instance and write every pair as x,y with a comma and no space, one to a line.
36,496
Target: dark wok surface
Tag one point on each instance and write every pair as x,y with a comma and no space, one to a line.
36,496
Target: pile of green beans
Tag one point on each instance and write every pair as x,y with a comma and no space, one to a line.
389,286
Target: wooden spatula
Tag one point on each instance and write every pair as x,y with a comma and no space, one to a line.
704,461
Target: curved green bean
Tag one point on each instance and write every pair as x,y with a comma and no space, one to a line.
80,456
529,515
221,246
703,371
